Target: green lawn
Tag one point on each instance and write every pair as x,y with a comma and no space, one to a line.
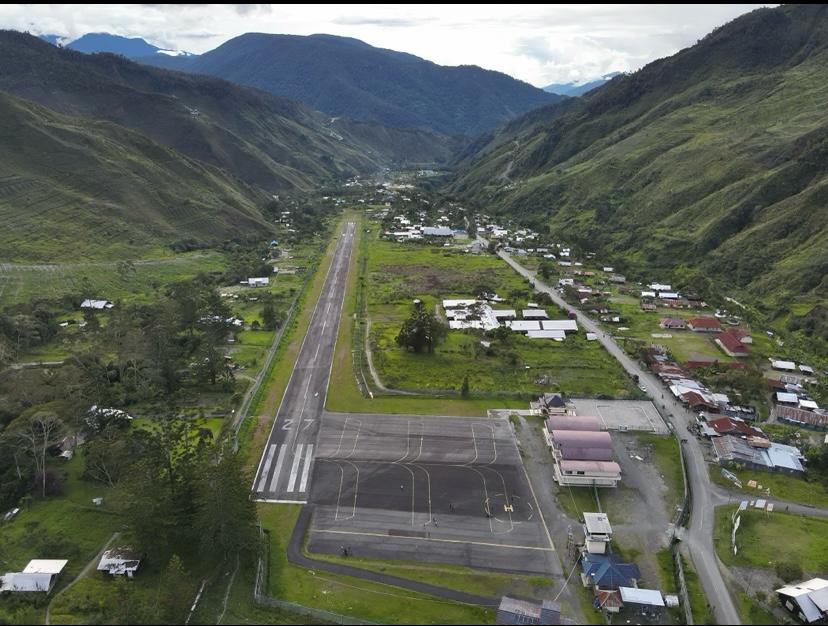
750,611
21,283
395,274
761,537
59,527
698,601
351,596
782,486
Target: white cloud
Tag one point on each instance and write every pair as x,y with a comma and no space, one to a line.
536,43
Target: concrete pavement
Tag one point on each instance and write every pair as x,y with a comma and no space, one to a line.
284,471
699,535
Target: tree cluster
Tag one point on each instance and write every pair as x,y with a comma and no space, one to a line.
422,331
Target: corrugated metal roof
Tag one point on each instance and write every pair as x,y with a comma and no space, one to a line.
650,597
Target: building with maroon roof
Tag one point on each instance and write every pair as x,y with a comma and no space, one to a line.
704,325
731,344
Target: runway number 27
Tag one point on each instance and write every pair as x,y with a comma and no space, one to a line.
289,422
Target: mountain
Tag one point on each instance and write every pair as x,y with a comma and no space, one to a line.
271,142
715,158
104,42
578,89
103,156
347,77
75,188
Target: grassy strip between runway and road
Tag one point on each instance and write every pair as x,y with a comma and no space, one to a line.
347,595
476,581
698,601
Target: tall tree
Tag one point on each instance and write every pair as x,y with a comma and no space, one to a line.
421,331
35,436
226,517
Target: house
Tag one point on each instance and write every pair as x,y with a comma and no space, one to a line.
504,314
607,572
704,325
807,600
732,426
557,335
534,314
38,575
597,533
583,458
120,561
801,417
516,611
648,601
783,366
260,281
731,345
522,326
564,325
98,305
437,231
551,404
672,322
758,453
783,397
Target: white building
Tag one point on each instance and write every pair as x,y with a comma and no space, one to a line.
597,533
120,561
38,575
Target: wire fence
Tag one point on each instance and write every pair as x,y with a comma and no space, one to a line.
260,596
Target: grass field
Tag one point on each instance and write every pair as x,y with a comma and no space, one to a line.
398,273
349,596
782,486
761,536
23,282
66,527
698,601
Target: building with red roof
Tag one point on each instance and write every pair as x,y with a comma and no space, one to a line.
731,344
704,325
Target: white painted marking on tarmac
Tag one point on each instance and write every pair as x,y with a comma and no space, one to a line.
263,479
386,537
278,469
294,469
306,470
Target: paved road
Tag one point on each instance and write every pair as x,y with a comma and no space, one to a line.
284,470
722,495
699,535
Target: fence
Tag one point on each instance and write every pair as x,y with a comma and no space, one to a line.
260,597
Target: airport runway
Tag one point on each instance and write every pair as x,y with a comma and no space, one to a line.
284,471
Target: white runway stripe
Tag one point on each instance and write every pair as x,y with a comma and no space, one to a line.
278,469
306,470
294,469
263,478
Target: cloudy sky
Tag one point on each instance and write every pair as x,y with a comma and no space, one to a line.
540,44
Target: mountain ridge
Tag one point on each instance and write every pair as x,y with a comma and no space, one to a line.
712,157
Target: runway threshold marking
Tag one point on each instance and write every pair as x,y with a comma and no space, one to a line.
294,469
435,539
268,460
303,483
277,471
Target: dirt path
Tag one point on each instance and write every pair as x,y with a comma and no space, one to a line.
82,573
374,375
